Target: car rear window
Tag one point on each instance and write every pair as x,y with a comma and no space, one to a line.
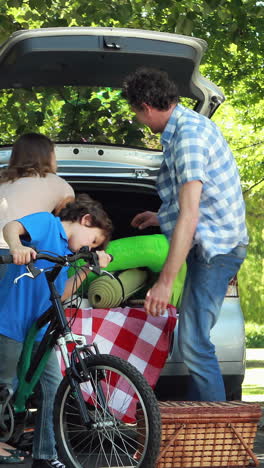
73,114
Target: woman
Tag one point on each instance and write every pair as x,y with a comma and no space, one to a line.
29,184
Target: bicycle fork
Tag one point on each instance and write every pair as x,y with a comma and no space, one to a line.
74,377
74,383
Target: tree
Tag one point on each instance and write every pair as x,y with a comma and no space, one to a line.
234,32
233,29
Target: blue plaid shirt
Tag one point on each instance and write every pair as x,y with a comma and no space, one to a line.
195,149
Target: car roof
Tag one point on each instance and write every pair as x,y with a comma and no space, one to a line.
90,56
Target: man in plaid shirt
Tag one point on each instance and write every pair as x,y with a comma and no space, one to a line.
202,214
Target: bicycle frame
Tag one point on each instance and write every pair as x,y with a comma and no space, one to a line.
31,366
58,332
86,388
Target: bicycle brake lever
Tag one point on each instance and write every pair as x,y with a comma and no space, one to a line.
33,272
95,269
94,265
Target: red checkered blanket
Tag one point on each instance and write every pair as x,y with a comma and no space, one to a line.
142,340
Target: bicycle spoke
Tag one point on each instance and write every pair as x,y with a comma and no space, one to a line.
121,415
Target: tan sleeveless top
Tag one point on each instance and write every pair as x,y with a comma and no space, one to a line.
30,195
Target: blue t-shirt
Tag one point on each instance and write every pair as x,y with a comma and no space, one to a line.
23,303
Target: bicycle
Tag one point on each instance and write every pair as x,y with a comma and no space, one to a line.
90,421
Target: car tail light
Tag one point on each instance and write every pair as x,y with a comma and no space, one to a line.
232,290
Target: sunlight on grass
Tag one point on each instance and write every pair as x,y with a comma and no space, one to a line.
255,364
253,385
253,390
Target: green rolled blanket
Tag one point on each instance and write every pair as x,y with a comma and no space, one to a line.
106,292
148,251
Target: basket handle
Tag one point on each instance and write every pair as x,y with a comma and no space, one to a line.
169,443
248,449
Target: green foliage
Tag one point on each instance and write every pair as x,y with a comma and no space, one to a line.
232,28
234,61
246,142
251,276
254,335
70,114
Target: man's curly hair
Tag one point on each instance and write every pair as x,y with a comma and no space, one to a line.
84,204
150,86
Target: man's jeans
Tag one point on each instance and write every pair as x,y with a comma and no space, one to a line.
204,291
44,441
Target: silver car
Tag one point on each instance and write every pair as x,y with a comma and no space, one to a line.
55,78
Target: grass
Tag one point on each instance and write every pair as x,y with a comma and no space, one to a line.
255,365
253,385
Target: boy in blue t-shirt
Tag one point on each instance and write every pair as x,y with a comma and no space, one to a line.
82,222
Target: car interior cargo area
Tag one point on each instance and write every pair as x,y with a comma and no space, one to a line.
138,254
122,204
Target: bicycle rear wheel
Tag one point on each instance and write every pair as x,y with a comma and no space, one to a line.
8,424
125,419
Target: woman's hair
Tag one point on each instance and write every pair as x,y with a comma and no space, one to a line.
150,86
84,204
30,157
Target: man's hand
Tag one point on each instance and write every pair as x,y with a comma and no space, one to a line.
157,298
22,255
145,219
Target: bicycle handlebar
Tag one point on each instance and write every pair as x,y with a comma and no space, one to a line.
84,253
6,259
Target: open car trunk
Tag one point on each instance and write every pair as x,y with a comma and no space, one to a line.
136,256
61,65
122,203
123,200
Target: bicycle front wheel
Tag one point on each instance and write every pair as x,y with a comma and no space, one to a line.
124,427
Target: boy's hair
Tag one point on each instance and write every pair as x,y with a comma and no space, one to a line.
84,204
150,86
30,157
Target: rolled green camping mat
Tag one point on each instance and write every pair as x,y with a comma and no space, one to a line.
134,252
106,292
148,251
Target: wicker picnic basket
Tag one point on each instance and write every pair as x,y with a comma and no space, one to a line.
208,434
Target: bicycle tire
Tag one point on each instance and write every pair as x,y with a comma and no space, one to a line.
115,437
9,421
